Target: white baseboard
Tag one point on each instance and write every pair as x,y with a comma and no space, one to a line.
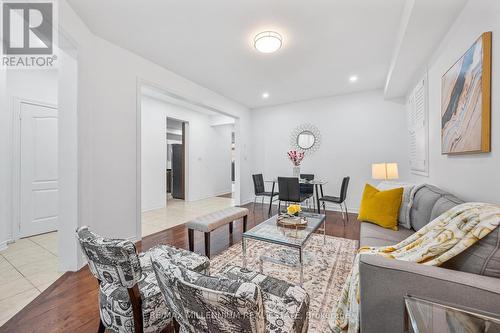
4,245
221,193
159,206
245,201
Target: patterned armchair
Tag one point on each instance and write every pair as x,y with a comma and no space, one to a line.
236,300
129,297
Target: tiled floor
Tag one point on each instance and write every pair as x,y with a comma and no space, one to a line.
180,211
27,267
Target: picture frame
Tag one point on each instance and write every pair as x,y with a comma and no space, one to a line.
466,101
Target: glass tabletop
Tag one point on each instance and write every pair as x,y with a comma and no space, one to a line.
427,316
301,181
271,232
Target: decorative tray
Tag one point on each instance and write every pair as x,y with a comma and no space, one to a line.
290,221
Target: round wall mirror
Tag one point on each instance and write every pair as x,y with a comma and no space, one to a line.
305,140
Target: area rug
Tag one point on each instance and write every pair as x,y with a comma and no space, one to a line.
325,270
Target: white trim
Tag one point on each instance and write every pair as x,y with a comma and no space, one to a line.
5,244
16,159
153,208
222,192
247,201
138,152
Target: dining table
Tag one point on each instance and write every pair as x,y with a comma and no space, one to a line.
318,190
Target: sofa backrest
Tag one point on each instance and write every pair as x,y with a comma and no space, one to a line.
482,258
428,203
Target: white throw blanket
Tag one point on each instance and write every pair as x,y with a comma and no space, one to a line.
440,240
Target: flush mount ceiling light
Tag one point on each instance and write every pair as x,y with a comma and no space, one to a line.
267,42
353,78
265,95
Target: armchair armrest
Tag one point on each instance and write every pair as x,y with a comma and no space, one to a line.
384,283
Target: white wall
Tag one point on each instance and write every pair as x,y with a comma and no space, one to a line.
471,177
109,131
68,157
208,153
35,85
356,131
153,154
5,167
222,157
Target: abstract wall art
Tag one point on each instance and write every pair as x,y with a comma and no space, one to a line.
466,101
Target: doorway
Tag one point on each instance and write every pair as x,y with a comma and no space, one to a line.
199,157
176,159
36,168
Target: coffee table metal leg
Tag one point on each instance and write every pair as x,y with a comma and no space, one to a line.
324,231
244,250
301,264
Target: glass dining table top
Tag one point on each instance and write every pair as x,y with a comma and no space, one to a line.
302,181
270,231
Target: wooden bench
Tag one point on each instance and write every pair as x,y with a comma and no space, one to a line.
212,221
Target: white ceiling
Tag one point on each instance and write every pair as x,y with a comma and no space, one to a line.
423,26
211,43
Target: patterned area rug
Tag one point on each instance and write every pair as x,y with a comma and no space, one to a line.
325,270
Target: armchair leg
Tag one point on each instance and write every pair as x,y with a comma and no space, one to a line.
176,326
101,328
191,239
135,299
231,228
207,244
245,220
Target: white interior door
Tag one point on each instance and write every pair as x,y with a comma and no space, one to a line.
38,174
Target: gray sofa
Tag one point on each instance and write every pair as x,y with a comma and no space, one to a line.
471,279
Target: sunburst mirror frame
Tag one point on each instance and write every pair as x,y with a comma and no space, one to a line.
305,128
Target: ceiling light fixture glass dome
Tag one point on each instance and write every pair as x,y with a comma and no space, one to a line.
268,42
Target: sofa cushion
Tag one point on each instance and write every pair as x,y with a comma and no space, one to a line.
423,202
481,258
444,204
373,235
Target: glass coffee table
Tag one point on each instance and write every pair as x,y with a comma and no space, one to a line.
428,316
269,231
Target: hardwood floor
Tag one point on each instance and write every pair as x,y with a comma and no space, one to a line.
70,304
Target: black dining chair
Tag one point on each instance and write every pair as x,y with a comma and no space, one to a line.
260,190
338,200
307,189
289,191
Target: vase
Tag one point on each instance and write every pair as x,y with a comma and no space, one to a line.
296,171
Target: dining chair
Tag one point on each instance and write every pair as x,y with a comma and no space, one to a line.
340,200
307,189
260,190
289,191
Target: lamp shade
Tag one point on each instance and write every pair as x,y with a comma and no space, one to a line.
385,171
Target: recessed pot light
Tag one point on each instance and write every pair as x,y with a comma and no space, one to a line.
267,42
353,78
265,95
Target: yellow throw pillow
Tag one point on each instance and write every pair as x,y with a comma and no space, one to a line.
381,207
